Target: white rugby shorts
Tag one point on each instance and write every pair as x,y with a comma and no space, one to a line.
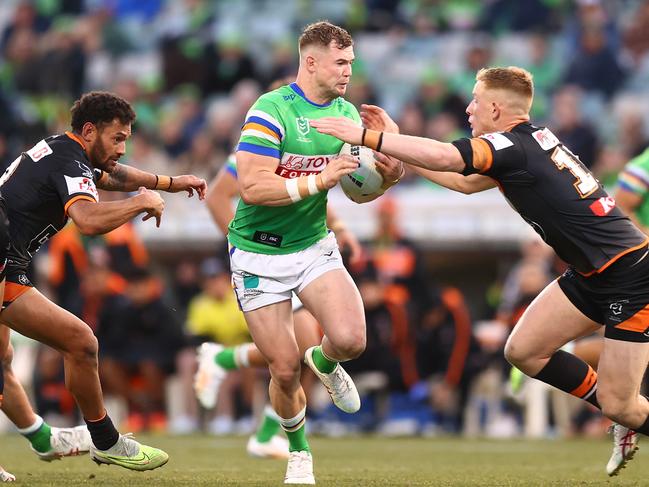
261,279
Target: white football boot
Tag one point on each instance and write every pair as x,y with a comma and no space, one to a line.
625,444
66,442
340,386
300,468
209,375
277,448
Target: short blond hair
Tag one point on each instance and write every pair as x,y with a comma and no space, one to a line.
512,78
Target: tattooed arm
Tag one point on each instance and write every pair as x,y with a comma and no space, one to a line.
127,178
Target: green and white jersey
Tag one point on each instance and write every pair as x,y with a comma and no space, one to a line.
278,126
635,178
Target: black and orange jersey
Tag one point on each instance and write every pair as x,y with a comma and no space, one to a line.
39,187
555,193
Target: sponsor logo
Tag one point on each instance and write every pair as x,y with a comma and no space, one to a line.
603,206
250,281
296,165
499,141
39,151
546,139
357,179
22,279
81,185
289,97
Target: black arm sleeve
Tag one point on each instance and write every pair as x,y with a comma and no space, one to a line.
466,151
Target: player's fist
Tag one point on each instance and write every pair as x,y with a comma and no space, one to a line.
336,169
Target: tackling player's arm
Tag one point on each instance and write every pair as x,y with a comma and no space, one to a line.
417,151
222,189
473,183
344,237
96,218
259,185
127,178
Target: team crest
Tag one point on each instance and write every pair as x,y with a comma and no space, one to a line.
303,126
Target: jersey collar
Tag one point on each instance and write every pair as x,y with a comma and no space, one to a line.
299,91
76,138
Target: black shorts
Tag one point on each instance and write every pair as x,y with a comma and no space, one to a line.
17,283
618,297
4,238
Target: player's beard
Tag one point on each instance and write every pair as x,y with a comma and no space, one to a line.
98,156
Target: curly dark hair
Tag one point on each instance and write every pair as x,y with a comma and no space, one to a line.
323,33
100,107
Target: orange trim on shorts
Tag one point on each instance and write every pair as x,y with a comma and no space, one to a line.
621,254
586,385
14,290
638,322
482,155
75,199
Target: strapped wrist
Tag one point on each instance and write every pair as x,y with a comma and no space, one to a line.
163,182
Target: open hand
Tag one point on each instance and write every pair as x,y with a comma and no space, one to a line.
189,183
342,128
375,118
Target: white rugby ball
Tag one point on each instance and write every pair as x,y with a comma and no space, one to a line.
362,185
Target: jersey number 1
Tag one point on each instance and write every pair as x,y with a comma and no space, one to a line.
585,182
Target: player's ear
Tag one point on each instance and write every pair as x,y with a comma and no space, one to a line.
89,131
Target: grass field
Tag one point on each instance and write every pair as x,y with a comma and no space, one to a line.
371,461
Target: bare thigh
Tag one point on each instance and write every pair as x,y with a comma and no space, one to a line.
35,316
307,330
271,328
549,322
335,302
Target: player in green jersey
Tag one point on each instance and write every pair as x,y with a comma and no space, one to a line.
215,360
632,195
279,241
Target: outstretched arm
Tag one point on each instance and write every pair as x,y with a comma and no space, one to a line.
128,178
473,183
417,151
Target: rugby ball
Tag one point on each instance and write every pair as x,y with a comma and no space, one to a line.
362,185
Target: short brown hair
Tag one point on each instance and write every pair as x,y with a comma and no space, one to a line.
98,107
323,33
512,78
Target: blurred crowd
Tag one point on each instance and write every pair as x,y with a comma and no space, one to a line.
191,71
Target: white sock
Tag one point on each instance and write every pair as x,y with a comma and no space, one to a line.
270,413
294,423
241,355
33,428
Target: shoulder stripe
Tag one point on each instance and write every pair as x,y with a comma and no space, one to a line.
631,184
637,172
264,123
272,121
482,155
254,130
258,149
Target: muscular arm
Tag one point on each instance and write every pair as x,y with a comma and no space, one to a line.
98,218
473,183
258,183
222,189
126,178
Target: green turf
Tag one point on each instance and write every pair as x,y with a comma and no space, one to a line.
204,460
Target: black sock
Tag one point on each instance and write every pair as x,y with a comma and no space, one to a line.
570,374
644,428
103,433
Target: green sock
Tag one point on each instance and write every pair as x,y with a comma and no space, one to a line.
297,440
268,428
40,439
322,363
225,358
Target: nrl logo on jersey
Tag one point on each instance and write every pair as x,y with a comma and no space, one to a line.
303,128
